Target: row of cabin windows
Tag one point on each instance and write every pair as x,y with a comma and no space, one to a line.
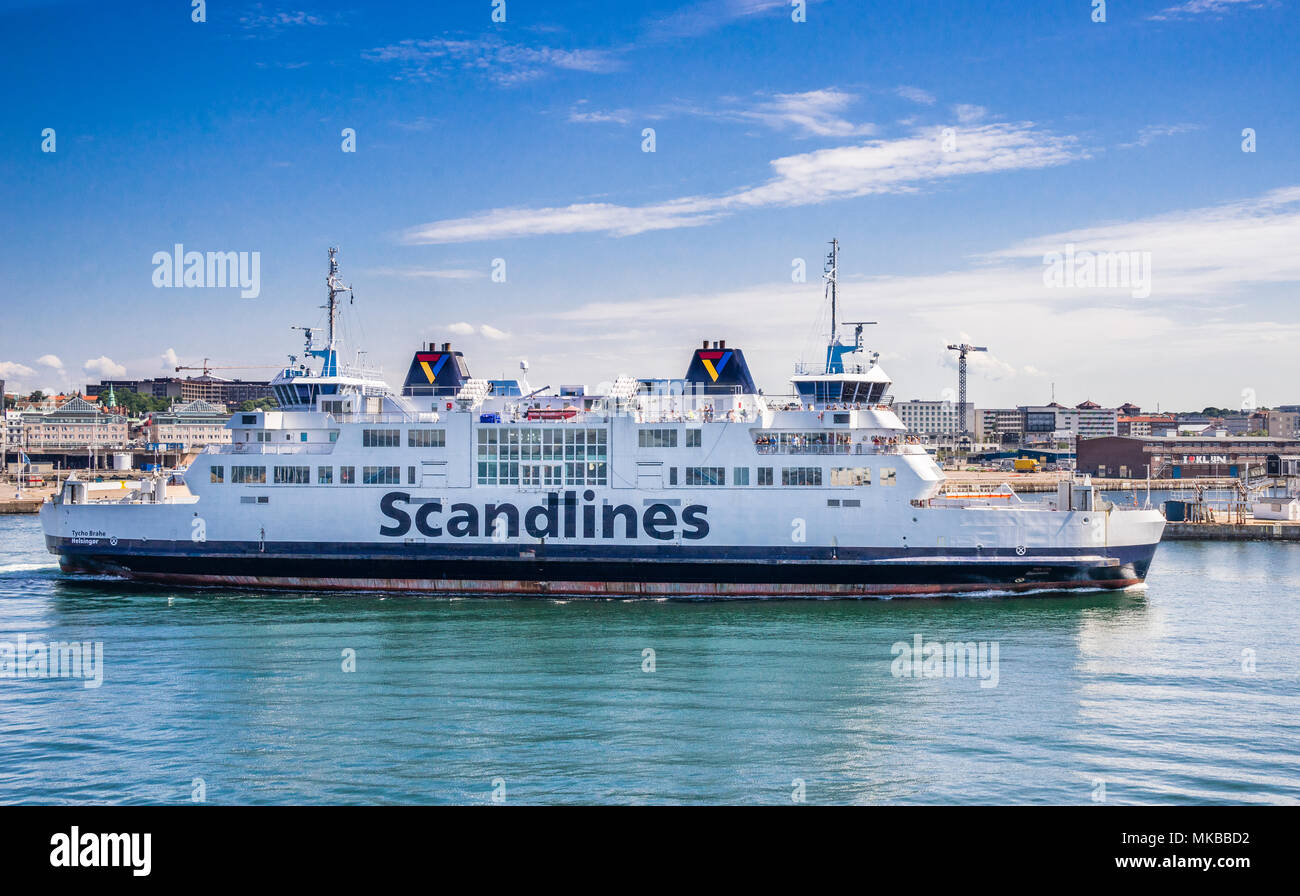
572,473
667,438
415,438
300,475
790,476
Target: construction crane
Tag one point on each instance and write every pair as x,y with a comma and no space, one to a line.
963,350
208,368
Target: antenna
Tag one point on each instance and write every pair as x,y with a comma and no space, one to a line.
335,286
857,331
829,274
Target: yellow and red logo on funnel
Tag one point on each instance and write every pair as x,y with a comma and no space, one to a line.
431,363
715,362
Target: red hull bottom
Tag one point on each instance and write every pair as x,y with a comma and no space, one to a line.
515,588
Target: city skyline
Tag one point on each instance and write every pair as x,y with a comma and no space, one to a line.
516,147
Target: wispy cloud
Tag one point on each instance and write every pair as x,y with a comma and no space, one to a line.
265,21
812,113
581,114
1216,8
426,273
709,15
504,63
916,95
882,166
1149,134
817,113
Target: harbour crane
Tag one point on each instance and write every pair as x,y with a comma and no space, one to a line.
962,350
208,368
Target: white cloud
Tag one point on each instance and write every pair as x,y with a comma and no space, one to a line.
816,113
461,329
969,114
492,332
1216,8
260,18
506,64
876,167
170,360
51,361
104,367
708,15
1150,133
916,95
427,273
11,369
597,116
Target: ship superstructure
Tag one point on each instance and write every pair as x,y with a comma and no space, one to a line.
702,485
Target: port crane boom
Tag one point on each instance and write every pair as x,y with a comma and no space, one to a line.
962,350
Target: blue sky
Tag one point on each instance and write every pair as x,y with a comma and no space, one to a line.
522,140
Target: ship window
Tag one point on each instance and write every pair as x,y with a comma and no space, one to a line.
693,439
325,475
216,474
347,475
334,436
250,419
245,475
501,449
410,475
672,475
740,476
801,476
706,475
657,438
851,476
426,438
304,437
381,438
764,475
888,476
292,475
381,475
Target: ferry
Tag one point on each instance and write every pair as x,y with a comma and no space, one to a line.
698,486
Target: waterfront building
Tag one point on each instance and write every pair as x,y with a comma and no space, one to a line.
75,424
1284,423
1179,457
1146,425
212,389
190,425
934,419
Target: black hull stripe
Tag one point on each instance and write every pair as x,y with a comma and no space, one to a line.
603,577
